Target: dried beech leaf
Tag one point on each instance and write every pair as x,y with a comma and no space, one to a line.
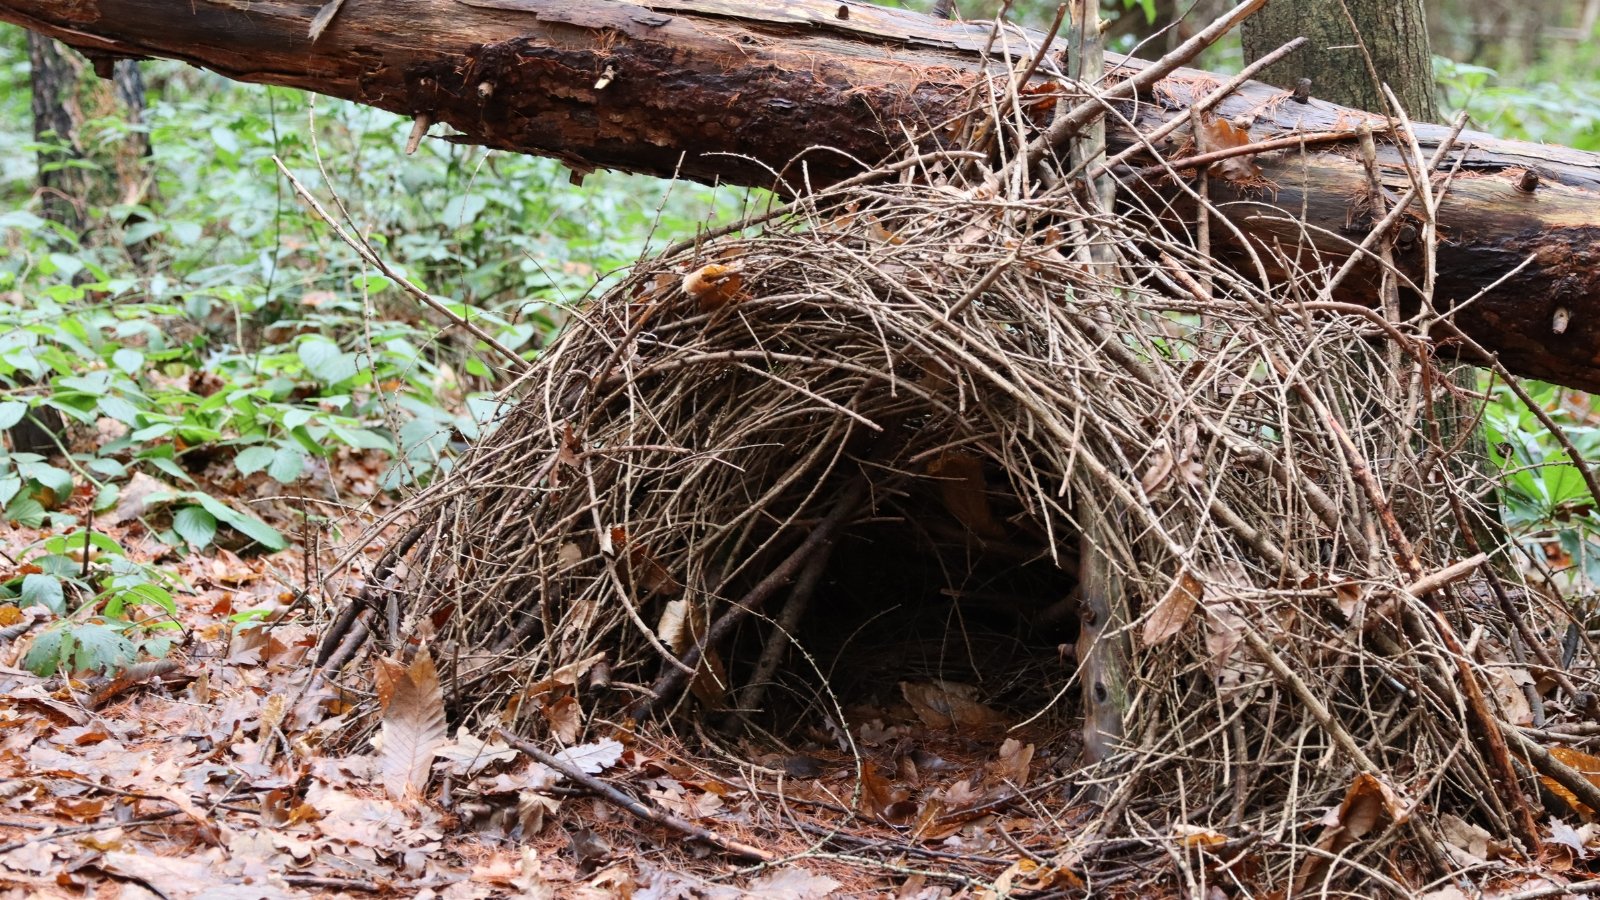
1574,839
1585,764
944,704
1174,610
592,759
965,492
413,727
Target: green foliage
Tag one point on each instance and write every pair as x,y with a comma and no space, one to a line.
111,610
1545,498
208,333
1559,110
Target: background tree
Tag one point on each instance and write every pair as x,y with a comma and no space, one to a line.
73,172
1393,35
66,99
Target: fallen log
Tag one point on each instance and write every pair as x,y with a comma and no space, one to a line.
807,92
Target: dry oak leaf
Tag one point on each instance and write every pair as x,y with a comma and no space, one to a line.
592,759
792,884
467,755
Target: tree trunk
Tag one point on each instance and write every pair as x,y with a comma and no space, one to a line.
69,184
1346,66
1343,64
1349,65
63,186
737,90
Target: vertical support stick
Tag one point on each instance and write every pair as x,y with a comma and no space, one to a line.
1103,652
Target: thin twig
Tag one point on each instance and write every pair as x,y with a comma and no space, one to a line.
512,359
635,807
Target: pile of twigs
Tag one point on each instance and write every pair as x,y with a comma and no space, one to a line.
1300,597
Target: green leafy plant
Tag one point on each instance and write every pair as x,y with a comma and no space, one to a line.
110,610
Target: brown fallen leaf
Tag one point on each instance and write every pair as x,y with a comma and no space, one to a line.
1012,764
879,796
1220,134
792,883
413,727
1174,610
1586,764
945,704
1368,803
642,566
211,830
965,492
130,677
714,286
564,718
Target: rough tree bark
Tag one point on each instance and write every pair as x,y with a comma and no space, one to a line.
1394,34
736,90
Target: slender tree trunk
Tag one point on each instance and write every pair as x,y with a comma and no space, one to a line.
1103,651
65,98
72,182
63,185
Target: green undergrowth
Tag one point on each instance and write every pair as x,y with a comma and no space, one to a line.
209,334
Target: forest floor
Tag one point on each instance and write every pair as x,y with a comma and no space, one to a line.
232,769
